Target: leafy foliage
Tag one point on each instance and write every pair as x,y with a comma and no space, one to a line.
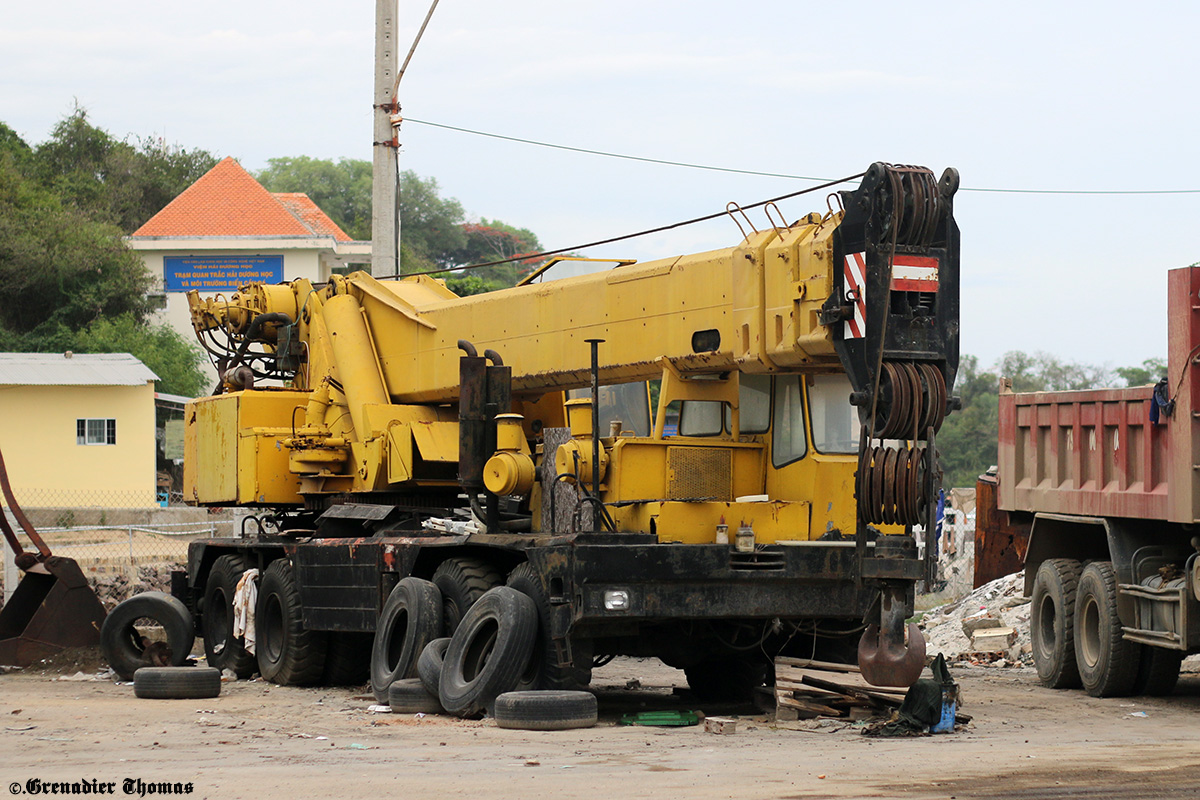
342,188
67,280
968,439
111,180
176,361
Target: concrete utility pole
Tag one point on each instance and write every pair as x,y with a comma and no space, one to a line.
385,260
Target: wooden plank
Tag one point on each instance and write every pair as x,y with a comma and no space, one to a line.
828,666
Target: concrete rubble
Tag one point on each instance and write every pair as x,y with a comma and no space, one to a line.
989,626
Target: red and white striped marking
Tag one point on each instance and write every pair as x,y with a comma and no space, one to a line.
855,285
914,274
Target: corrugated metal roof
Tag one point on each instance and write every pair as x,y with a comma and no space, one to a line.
78,369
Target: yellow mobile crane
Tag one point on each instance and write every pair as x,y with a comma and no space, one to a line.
813,363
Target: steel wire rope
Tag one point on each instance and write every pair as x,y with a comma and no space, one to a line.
612,239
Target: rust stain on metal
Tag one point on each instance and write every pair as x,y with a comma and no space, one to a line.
1000,544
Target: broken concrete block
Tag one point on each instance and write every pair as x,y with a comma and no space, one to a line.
721,725
977,621
993,640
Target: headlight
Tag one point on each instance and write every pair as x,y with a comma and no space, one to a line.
616,600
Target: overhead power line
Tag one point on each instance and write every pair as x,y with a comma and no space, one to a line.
610,240
713,168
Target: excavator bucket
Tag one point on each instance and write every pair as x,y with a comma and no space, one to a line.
49,611
53,607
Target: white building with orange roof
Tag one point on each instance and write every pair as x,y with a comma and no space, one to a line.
226,230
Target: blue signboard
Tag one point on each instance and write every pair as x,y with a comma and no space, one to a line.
219,273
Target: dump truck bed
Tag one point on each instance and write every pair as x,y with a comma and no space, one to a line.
1097,453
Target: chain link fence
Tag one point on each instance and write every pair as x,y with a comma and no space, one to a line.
122,549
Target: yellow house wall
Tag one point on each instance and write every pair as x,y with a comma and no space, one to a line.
47,467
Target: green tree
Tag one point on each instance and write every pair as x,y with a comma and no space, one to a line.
431,226
967,440
60,270
492,240
111,180
178,363
1150,371
341,189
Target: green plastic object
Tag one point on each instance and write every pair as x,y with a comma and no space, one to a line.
662,719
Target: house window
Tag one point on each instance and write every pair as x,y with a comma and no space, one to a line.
95,431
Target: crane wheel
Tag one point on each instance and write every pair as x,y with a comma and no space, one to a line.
221,649
463,580
288,653
544,671
410,620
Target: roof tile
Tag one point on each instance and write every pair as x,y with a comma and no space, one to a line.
228,201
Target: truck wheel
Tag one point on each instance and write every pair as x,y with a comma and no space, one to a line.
489,652
411,619
546,711
1158,671
544,671
348,659
409,696
1052,622
462,581
1108,664
177,683
429,665
126,648
221,649
288,653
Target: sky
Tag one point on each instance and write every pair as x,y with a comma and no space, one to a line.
1095,96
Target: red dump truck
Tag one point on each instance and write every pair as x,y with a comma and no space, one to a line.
1101,490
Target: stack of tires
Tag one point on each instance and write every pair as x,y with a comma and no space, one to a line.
493,647
156,667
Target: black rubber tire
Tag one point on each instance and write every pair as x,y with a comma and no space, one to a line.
462,581
1158,671
1108,664
221,649
726,680
429,664
347,659
1052,622
544,671
489,652
545,710
409,696
177,683
410,620
288,653
122,644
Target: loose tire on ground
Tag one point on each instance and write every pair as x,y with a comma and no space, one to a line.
1158,671
177,683
409,696
1108,664
429,664
462,581
545,710
489,652
544,671
221,649
1052,622
288,653
348,659
124,647
411,619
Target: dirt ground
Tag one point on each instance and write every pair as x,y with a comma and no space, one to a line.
257,740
